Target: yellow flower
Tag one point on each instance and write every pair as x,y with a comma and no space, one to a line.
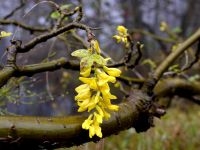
83,105
90,81
99,109
112,71
85,72
92,124
82,87
95,129
94,100
94,94
122,30
86,124
108,96
98,117
95,46
113,107
122,35
118,38
83,94
104,78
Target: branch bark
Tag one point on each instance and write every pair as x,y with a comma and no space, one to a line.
51,132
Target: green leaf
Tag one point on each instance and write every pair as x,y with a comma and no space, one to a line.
55,15
81,53
86,62
66,6
98,59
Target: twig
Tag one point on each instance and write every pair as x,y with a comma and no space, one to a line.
22,3
139,56
195,59
42,38
30,70
24,26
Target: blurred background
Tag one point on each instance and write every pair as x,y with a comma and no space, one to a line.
158,24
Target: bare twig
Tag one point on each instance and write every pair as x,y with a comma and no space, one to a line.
195,59
24,26
22,3
139,56
42,38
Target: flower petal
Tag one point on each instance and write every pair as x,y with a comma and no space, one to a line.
112,71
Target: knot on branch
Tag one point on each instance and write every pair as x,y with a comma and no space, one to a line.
147,110
12,52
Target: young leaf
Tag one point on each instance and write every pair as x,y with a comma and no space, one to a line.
55,15
81,53
98,59
66,6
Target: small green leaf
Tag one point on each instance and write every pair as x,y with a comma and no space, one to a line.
55,15
98,59
86,62
81,53
66,6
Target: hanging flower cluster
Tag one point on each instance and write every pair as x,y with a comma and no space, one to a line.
122,35
94,94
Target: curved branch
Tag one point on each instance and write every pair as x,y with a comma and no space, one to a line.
44,37
177,86
30,70
22,25
30,132
22,3
175,54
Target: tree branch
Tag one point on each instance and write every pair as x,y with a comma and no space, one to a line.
24,26
30,70
44,37
53,132
177,86
175,54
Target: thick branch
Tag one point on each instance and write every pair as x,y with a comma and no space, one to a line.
34,132
177,86
30,70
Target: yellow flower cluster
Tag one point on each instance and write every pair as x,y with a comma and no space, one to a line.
122,35
94,94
